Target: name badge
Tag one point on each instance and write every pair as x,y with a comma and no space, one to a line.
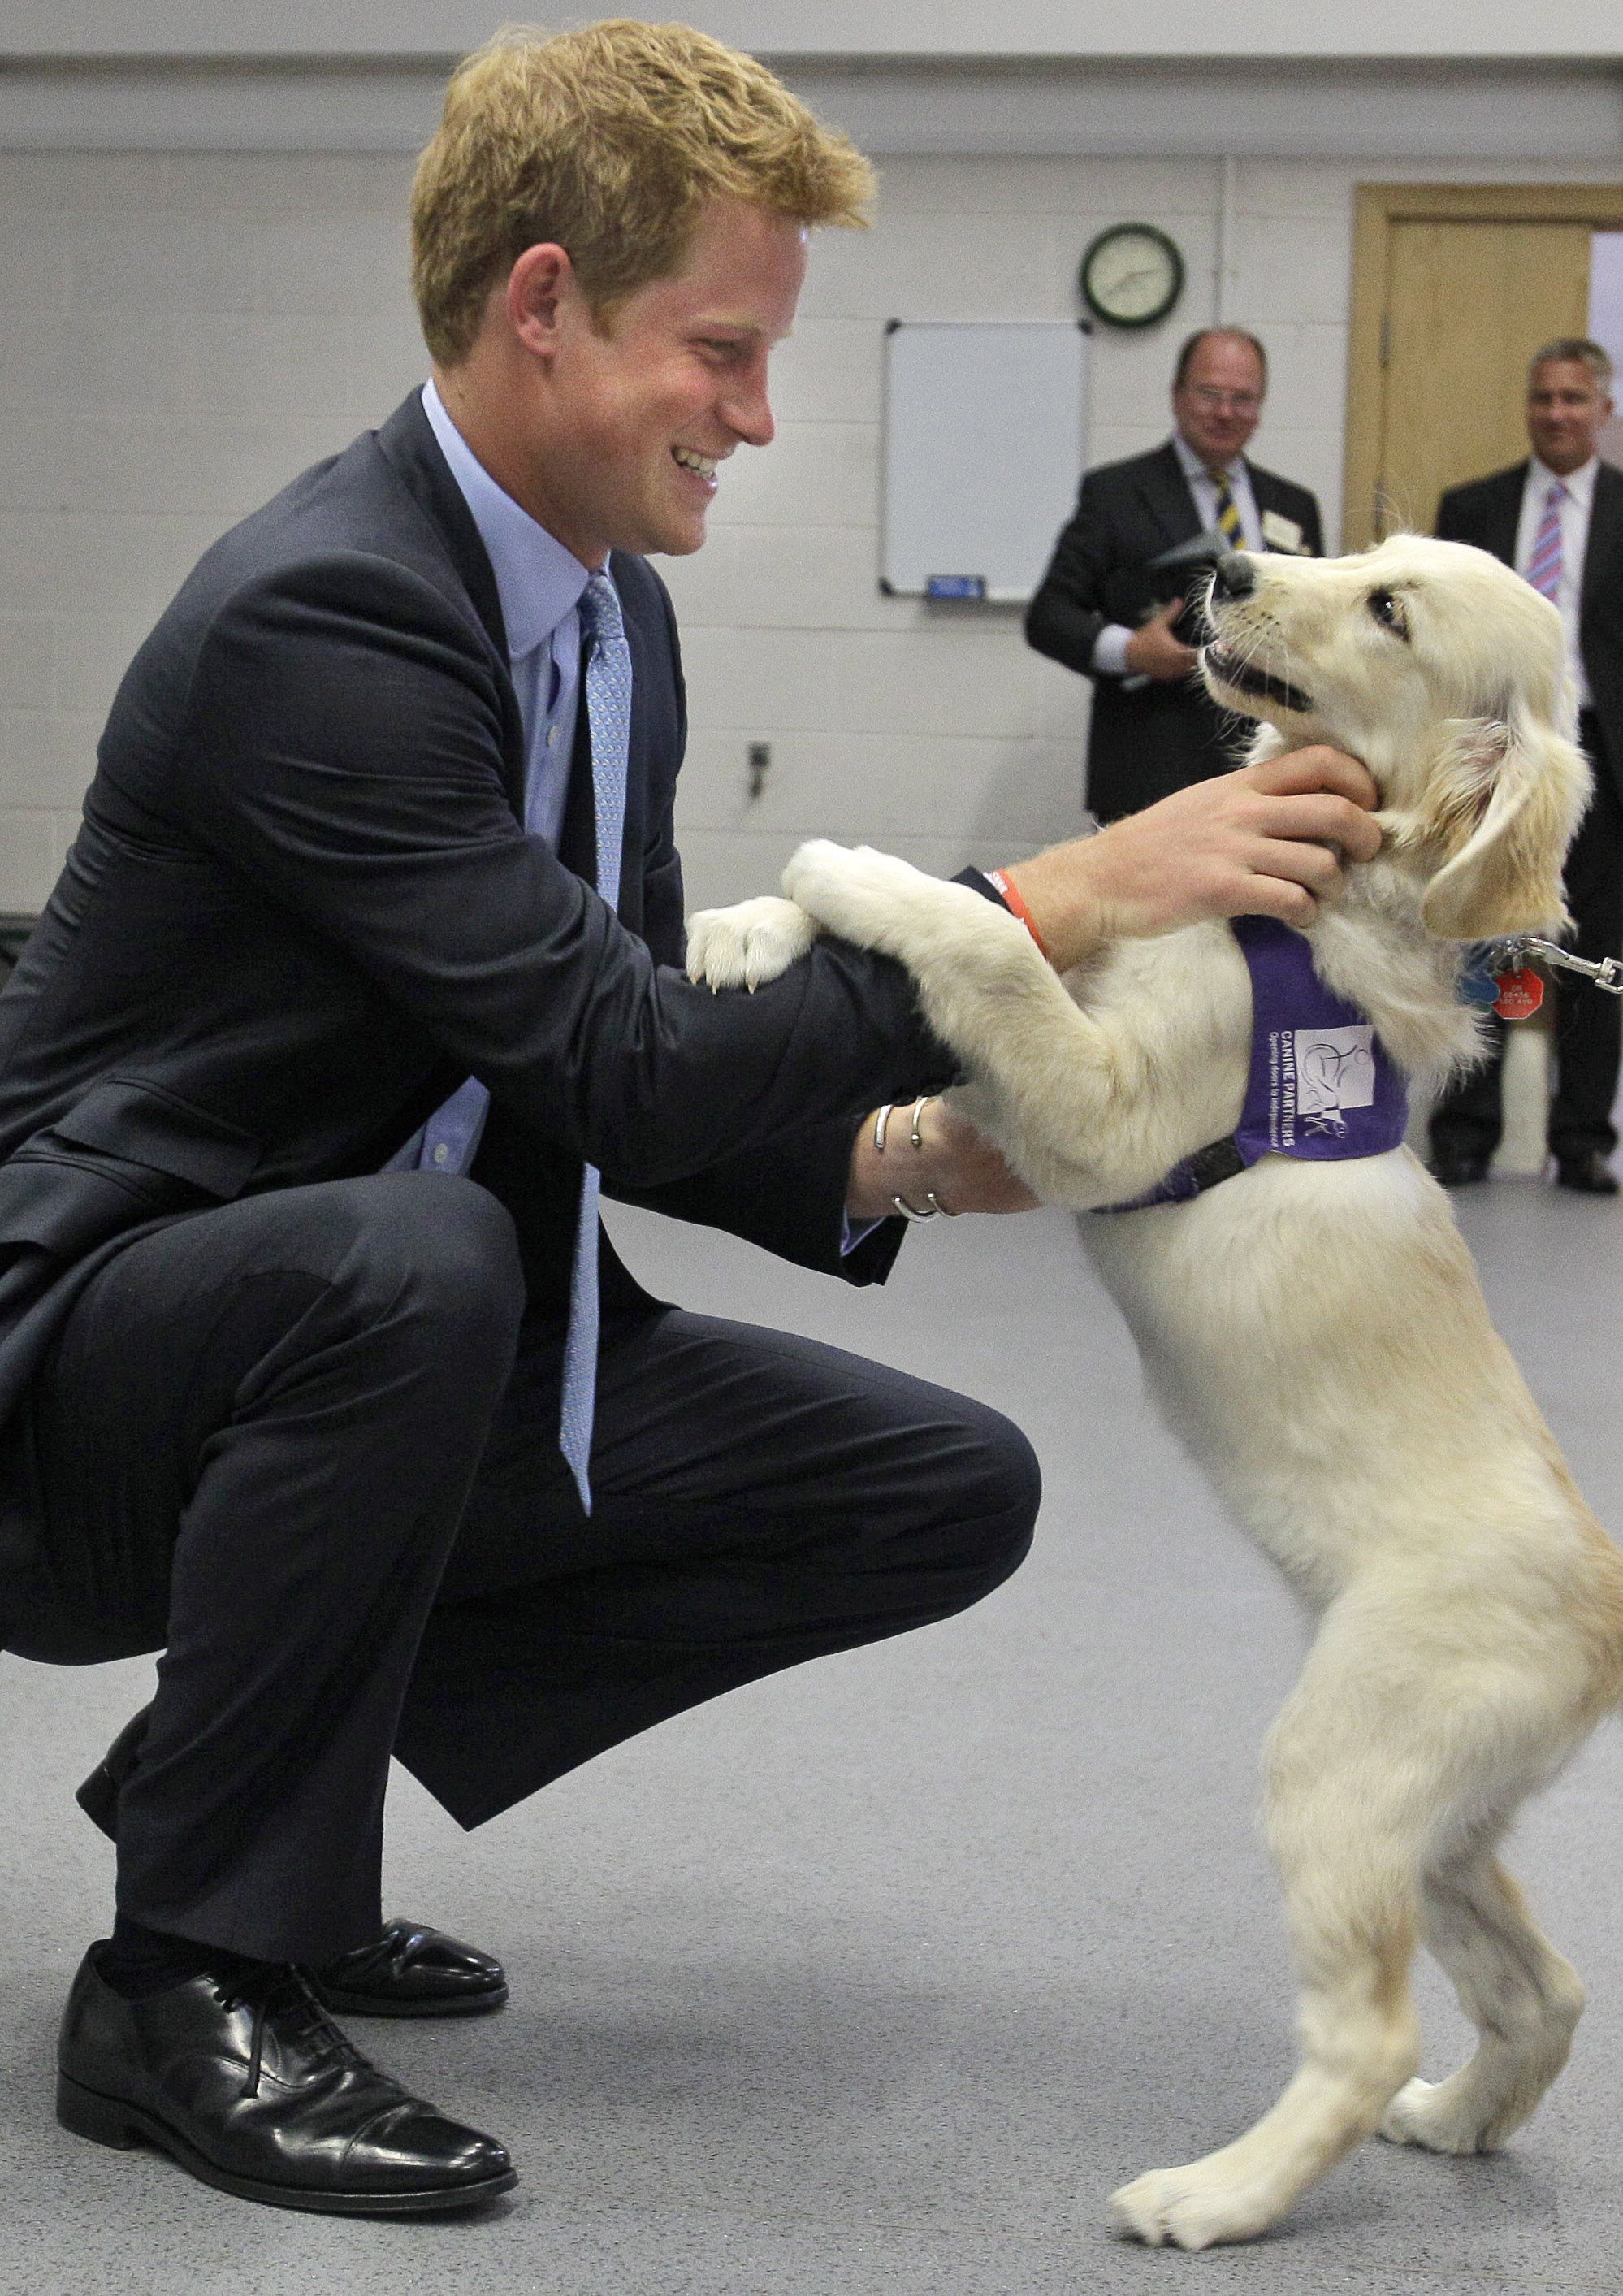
1280,533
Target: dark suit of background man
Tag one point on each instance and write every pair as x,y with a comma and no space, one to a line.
316,1373
1558,519
1153,729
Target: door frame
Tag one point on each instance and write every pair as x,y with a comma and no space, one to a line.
1377,207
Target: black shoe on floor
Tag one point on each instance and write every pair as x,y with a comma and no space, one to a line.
1456,1167
406,1971
247,2084
1588,1173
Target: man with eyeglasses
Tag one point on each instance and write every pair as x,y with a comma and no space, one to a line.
1153,730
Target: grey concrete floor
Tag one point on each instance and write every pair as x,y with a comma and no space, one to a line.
874,1980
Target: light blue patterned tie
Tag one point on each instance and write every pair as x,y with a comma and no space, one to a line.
608,686
1544,566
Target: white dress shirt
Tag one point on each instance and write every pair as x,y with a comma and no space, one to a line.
1111,646
1574,542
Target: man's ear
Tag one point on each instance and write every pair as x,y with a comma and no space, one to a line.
539,287
1502,800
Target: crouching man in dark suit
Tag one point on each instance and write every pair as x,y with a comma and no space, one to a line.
1154,728
1558,518
316,1373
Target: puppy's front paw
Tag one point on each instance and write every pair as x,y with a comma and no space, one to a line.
851,890
1194,2207
747,945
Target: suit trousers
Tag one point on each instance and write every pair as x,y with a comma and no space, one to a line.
307,1444
1588,1036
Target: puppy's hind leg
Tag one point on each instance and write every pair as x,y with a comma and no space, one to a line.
1348,1830
1523,1999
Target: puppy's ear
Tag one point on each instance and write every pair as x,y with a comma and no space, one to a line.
1502,802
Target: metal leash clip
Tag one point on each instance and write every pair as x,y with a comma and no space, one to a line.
1510,955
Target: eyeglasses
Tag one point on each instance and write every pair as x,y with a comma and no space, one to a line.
1234,402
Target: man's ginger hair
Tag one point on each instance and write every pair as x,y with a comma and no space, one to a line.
609,141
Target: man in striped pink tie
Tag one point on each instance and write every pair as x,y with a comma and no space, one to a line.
1558,518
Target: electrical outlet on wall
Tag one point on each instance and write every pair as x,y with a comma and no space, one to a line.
758,758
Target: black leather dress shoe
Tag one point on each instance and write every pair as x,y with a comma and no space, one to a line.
252,2088
1455,1169
406,1971
1589,1174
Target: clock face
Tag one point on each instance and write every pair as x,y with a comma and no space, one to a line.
1132,276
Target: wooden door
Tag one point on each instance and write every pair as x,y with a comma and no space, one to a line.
1454,286
1466,304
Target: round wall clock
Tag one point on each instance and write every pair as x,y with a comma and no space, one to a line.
1132,274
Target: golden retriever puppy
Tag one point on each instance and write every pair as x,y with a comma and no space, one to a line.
1315,1333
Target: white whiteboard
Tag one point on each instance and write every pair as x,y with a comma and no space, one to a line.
983,450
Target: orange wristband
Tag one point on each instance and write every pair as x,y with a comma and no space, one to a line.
1017,907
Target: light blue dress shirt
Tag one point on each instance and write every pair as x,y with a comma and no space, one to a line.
539,584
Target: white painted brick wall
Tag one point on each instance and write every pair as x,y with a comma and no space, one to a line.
180,333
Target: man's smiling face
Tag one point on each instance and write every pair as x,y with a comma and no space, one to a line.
642,407
1566,406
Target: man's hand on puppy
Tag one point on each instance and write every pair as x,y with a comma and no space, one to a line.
1154,651
954,1168
1268,840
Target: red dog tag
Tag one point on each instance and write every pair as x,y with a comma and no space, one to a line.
1521,993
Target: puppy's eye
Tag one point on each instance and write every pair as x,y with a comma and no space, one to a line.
1387,612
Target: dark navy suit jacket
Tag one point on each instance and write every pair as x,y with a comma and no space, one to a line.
302,908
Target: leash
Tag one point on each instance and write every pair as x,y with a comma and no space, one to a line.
1501,976
1607,974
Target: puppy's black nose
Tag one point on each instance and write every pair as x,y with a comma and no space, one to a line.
1232,577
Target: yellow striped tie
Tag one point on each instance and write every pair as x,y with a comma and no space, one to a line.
1228,510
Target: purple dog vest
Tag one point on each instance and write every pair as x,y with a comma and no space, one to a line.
1322,1085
